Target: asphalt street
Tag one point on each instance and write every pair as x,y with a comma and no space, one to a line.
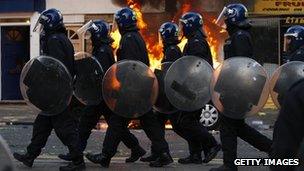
16,128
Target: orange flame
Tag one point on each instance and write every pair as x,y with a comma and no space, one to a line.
155,48
116,36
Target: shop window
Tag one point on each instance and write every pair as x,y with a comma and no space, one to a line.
265,35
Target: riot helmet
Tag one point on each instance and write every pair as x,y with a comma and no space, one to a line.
125,19
169,33
233,15
49,20
97,30
190,23
293,38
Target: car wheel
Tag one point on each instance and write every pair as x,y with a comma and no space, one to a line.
209,117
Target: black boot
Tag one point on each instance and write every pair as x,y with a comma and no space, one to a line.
136,153
150,158
224,168
212,153
194,158
101,159
26,159
162,160
66,157
73,167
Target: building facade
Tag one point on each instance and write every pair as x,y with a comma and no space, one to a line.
19,43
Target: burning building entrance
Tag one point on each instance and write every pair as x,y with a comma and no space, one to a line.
149,25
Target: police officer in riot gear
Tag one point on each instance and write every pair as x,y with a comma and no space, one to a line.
294,43
168,33
132,47
58,46
239,43
191,25
102,51
286,135
197,136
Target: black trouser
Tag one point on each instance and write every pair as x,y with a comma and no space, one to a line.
186,125
230,129
288,133
91,116
155,132
65,127
151,126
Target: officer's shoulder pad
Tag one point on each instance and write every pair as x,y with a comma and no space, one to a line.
300,52
172,47
242,33
102,49
54,37
196,40
129,35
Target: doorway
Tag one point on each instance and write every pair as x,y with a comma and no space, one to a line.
15,52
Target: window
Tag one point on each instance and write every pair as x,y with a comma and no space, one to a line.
75,39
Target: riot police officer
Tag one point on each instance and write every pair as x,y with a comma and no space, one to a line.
132,47
197,136
58,46
168,34
238,44
286,135
102,51
294,43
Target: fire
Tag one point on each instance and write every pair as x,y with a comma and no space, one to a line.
155,48
137,9
214,46
116,36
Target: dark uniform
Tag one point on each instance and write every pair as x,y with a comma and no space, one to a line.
239,44
132,46
58,46
197,136
298,55
171,54
197,45
104,54
287,134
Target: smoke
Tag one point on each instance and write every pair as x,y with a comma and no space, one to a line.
153,3
171,5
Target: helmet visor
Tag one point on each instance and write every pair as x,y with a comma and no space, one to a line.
287,40
160,39
114,23
83,31
220,21
38,26
181,28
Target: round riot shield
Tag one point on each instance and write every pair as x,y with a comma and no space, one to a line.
46,85
239,87
283,78
187,83
162,104
88,79
6,159
130,88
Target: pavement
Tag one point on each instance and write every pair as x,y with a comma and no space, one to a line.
16,128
